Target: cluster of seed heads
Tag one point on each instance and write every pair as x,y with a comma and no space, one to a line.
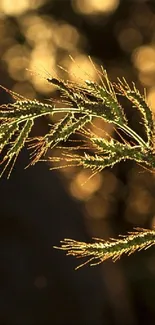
80,105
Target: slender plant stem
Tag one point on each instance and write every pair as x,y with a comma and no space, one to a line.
133,134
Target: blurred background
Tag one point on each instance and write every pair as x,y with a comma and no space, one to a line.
38,284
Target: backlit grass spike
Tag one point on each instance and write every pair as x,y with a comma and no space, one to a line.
78,108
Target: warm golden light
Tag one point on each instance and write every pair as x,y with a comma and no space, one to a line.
37,29
144,58
42,61
17,60
88,7
140,203
18,7
71,36
97,208
82,187
146,79
81,69
151,98
129,39
101,128
109,183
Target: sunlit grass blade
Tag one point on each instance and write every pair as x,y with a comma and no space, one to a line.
98,252
139,102
17,145
60,132
6,133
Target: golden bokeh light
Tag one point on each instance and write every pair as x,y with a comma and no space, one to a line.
109,183
142,16
88,7
140,203
83,185
37,29
144,58
46,37
147,79
42,60
17,60
151,98
129,38
18,7
17,68
71,36
81,68
97,208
